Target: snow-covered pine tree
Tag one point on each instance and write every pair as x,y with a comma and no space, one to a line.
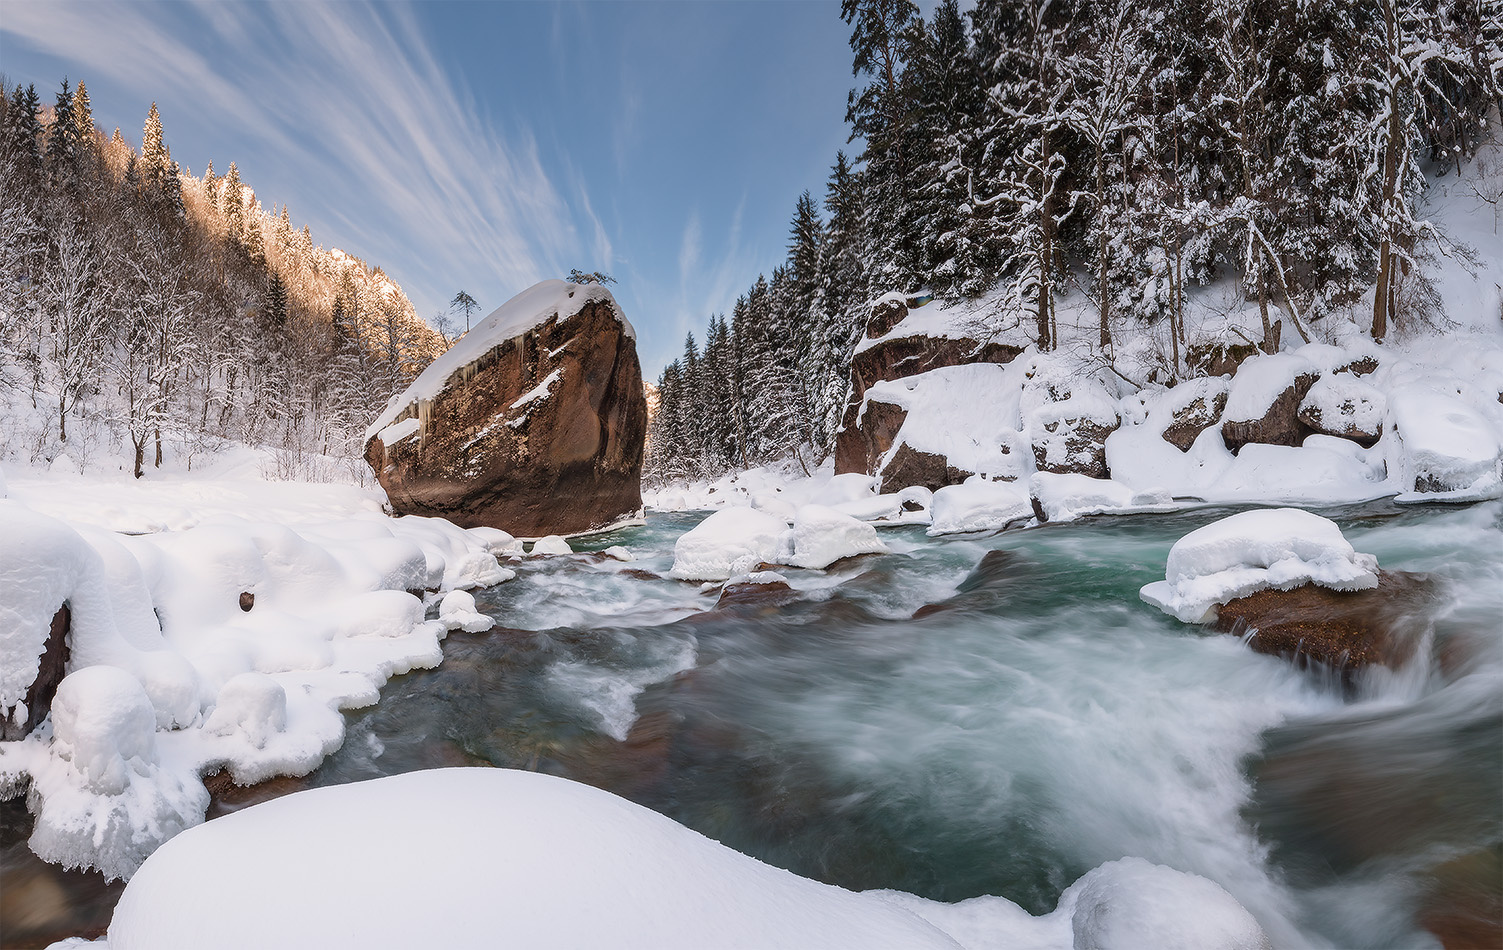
62,142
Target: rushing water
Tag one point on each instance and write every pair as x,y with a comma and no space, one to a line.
1036,720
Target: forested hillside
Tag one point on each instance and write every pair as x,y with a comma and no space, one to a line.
146,312
1117,154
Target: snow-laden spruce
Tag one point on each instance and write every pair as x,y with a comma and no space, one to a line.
1280,548
224,645
521,859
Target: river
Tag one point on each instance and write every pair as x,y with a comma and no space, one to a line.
1035,720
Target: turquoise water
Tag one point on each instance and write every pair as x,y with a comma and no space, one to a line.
1040,721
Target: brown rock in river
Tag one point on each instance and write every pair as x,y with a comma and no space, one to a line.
534,422
1342,629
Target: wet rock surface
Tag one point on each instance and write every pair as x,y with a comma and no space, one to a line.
1342,629
543,434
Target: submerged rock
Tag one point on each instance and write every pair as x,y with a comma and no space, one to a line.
534,422
1341,629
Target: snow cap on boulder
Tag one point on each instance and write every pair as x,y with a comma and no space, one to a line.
1280,548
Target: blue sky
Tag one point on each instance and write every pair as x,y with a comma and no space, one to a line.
484,146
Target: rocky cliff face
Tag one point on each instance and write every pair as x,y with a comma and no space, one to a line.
533,423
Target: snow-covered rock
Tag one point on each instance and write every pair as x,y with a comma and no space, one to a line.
1067,415
711,550
822,536
1346,407
1067,497
457,611
505,839
534,421
979,505
1263,402
551,545
1442,446
618,553
251,704
1278,548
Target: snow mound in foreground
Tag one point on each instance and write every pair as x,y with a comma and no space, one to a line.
1280,548
512,857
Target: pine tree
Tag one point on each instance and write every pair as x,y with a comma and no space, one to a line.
63,142
233,205
25,141
154,168
83,114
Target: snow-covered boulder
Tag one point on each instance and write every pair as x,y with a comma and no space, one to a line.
534,422
252,705
822,536
1067,497
502,858
1344,406
1442,446
550,546
979,505
940,427
1067,416
457,611
1280,548
1263,402
1189,409
730,541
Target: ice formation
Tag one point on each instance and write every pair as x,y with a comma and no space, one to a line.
1278,548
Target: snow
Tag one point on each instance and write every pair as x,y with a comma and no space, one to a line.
822,536
1259,381
527,310
398,431
1065,497
457,611
512,857
1280,548
979,505
550,545
1441,440
1346,404
170,676
618,553
730,541
540,390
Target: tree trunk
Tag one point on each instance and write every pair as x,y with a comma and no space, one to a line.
140,447
1105,304
62,419
1383,293
159,448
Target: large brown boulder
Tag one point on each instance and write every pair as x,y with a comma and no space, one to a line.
1341,629
1190,421
1263,403
533,423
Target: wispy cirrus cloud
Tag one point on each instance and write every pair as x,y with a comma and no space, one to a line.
373,140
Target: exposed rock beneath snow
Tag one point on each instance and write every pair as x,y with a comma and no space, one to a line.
1346,408
1191,420
1341,629
537,429
1263,403
892,359
911,468
1218,358
51,666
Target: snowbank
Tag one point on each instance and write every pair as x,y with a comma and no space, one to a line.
528,309
1280,548
1442,446
979,505
1067,497
530,860
231,644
